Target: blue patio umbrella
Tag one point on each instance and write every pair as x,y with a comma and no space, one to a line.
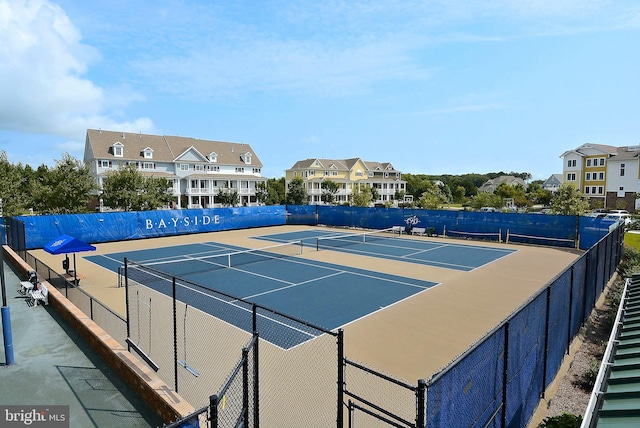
65,244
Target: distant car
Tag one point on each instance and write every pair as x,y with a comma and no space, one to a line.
488,209
626,218
618,212
545,211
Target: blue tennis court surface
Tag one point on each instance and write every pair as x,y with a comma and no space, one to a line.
320,293
385,245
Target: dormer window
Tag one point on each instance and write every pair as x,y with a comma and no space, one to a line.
213,157
118,150
246,158
147,153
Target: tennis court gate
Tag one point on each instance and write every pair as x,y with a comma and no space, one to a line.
241,361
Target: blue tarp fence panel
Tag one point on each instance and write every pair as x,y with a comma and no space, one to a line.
532,340
302,215
123,226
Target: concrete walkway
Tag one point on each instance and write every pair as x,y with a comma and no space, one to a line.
53,366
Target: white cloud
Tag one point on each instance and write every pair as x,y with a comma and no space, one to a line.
42,67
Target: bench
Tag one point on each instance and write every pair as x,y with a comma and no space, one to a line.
424,231
419,231
39,295
397,229
73,278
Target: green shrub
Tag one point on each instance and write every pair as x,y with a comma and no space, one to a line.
565,420
590,375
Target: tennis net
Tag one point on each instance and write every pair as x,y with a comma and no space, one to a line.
338,241
190,265
540,240
482,236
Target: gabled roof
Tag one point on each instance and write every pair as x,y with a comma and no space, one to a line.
165,148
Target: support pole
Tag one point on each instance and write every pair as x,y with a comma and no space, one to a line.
7,335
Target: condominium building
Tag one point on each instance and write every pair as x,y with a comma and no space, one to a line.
605,173
198,170
347,173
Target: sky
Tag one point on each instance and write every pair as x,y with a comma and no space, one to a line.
432,86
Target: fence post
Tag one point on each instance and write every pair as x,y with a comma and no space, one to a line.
569,337
245,386
126,299
175,333
340,410
505,375
213,411
421,398
256,389
545,356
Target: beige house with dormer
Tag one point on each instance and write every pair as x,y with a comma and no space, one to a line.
197,169
347,173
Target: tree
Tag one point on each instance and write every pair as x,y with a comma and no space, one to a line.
433,197
228,197
486,199
12,187
329,190
262,192
65,188
277,193
361,196
126,188
296,193
568,201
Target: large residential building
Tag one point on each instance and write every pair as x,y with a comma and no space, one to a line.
605,173
347,173
198,169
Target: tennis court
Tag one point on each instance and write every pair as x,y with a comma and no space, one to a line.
389,245
321,293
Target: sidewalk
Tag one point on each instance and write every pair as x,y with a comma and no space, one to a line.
53,366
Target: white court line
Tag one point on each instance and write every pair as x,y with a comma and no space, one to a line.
229,302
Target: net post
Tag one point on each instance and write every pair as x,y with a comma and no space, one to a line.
500,236
444,231
507,237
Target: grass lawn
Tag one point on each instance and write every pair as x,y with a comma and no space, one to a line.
632,240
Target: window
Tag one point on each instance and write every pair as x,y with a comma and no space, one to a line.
586,190
118,150
105,164
588,162
602,162
212,157
334,173
148,154
148,165
601,176
326,173
311,173
588,176
239,169
600,190
184,167
257,170
593,190
621,170
215,168
198,167
571,163
359,173
571,176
